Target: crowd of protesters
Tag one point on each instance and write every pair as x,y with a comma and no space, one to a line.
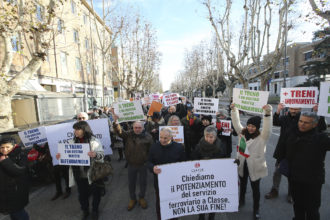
300,152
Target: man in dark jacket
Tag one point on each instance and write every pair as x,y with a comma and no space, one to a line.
163,152
286,122
171,111
227,140
304,148
137,145
192,131
14,190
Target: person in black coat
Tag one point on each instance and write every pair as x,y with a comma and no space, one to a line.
303,148
209,147
286,122
14,189
163,152
227,140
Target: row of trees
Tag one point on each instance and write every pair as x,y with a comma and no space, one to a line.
138,55
241,55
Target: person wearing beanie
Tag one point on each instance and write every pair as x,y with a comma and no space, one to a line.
251,153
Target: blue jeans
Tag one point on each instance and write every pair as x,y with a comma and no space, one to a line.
19,215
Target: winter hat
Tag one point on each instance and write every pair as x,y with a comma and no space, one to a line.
255,120
95,115
222,112
207,117
156,115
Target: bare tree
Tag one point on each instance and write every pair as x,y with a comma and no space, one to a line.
321,10
254,39
139,57
106,41
35,25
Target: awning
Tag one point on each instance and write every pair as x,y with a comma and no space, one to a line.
32,85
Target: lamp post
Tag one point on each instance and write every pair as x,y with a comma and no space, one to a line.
285,42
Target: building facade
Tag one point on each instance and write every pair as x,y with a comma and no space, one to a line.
75,62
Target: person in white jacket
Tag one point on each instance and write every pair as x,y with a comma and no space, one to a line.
81,175
251,150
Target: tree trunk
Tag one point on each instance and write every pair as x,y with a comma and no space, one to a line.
263,83
6,118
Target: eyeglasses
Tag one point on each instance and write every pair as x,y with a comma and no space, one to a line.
81,118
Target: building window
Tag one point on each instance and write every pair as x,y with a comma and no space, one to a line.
277,75
60,26
275,88
286,72
78,64
64,64
308,55
256,88
287,60
86,43
39,12
15,43
75,36
85,18
88,68
73,7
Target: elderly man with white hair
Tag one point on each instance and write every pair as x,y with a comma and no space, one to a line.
137,145
163,152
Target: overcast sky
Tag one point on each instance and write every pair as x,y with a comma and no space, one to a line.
181,24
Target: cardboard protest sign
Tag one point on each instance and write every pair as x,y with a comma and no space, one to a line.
226,127
154,107
146,100
33,136
324,101
178,135
195,187
206,106
63,133
300,97
129,111
74,154
250,100
170,99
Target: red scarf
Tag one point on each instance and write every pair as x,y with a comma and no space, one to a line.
191,120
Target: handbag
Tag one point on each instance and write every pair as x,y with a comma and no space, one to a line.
100,170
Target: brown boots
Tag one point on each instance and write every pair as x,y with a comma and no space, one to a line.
272,194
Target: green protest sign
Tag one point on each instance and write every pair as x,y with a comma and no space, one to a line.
129,111
250,100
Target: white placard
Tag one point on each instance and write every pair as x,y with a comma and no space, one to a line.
170,99
129,111
63,133
74,154
324,101
250,100
300,97
178,135
194,187
33,136
206,106
154,97
226,127
146,100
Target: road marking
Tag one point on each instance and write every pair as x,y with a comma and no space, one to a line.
276,134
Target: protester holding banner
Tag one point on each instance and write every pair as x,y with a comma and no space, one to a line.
286,122
209,147
226,139
251,153
152,126
192,128
14,187
137,145
81,174
303,148
163,152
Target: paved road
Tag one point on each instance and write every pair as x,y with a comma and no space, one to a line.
113,204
